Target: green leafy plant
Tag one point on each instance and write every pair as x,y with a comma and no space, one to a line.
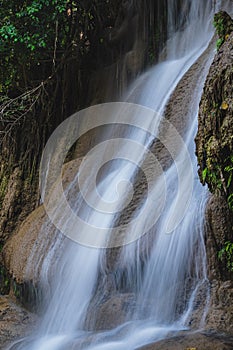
224,26
230,201
219,24
28,32
219,43
227,253
212,177
229,170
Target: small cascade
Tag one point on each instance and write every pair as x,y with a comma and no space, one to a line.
162,275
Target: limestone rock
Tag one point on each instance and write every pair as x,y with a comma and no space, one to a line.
195,341
14,321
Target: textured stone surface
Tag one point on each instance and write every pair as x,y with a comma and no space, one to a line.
196,341
220,315
219,229
15,322
214,138
214,147
34,235
112,312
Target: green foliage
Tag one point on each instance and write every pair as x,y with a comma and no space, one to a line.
27,34
227,253
220,28
229,170
219,43
204,174
212,177
30,24
219,24
221,177
224,26
38,35
225,184
230,201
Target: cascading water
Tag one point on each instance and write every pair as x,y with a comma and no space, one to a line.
165,273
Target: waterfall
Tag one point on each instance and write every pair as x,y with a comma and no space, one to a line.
164,272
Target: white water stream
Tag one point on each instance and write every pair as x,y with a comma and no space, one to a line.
173,274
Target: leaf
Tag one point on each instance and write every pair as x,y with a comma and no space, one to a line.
228,168
229,181
230,201
204,174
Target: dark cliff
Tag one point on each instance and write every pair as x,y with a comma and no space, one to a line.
214,148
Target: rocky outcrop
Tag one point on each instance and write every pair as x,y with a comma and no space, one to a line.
214,148
121,305
214,138
195,341
34,237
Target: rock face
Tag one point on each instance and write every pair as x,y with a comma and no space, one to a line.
14,321
121,305
214,148
196,341
214,138
21,255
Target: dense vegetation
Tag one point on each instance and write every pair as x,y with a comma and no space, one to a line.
37,36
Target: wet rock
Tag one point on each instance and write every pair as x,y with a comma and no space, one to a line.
214,144
10,207
112,312
33,240
15,322
195,341
220,315
214,148
219,230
